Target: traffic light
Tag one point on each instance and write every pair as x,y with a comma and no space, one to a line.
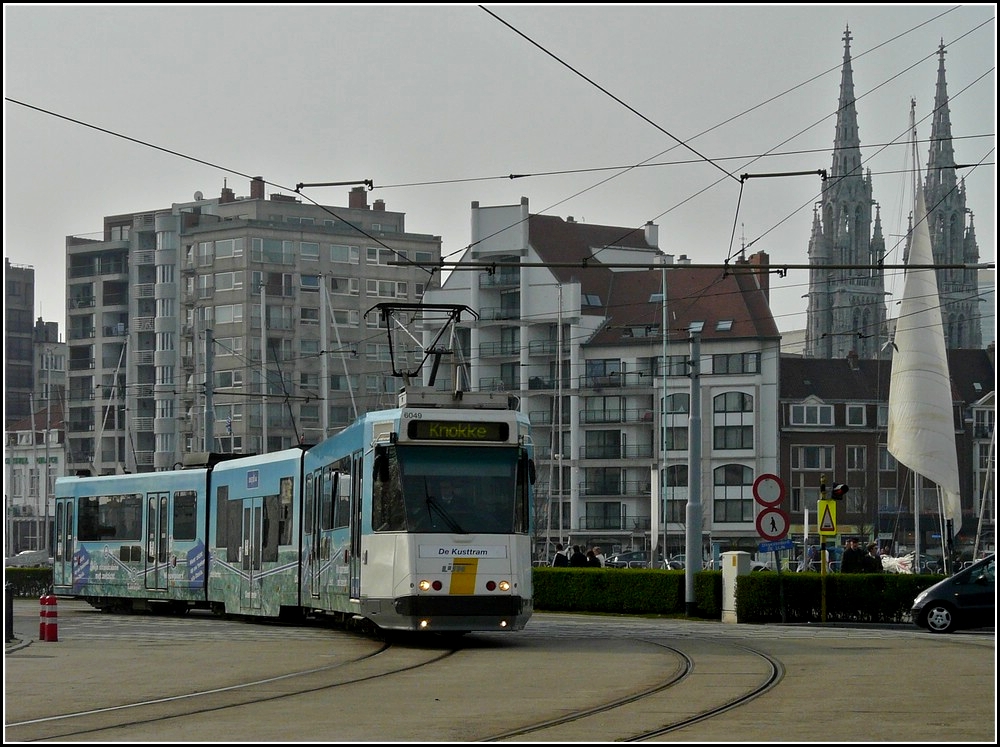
839,491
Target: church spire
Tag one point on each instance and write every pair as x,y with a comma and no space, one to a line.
941,158
846,309
847,140
953,240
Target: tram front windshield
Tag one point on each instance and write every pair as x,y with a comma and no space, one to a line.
458,490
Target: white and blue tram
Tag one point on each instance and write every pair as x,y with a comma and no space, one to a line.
412,518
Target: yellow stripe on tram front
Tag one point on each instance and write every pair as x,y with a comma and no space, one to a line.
463,575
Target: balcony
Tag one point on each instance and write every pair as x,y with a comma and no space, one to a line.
498,314
616,380
615,488
497,384
641,451
499,349
499,279
546,347
633,415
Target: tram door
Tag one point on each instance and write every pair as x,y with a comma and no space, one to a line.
357,478
321,521
156,540
62,552
253,540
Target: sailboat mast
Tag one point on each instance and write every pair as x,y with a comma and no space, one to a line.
918,484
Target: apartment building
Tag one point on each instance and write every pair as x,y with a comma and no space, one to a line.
572,318
236,324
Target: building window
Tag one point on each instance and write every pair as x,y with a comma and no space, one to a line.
886,461
733,402
345,254
678,404
857,457
225,248
675,493
811,415
812,458
345,286
675,438
309,316
736,363
309,251
856,415
228,280
733,437
732,499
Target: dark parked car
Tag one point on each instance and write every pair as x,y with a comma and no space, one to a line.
965,600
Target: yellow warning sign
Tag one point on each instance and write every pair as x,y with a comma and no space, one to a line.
826,518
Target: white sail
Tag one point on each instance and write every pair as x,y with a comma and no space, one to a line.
921,417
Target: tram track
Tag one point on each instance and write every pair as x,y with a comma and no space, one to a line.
110,721
620,716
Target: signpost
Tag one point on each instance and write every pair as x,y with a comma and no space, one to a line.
772,523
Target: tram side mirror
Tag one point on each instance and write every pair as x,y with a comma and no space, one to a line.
526,466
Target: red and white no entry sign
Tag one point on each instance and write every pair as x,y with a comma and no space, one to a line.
768,490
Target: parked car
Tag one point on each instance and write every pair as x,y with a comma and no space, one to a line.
630,559
965,600
29,559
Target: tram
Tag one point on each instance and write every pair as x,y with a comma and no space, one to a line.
412,518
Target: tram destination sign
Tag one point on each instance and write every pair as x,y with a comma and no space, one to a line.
457,430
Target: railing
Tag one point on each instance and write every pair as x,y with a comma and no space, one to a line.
496,384
617,451
615,488
84,364
617,380
498,279
142,424
640,415
498,313
84,333
493,349
545,347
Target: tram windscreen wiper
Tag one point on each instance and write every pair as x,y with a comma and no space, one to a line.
433,504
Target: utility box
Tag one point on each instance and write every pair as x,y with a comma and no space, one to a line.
734,565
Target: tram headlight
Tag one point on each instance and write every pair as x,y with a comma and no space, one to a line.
424,585
505,585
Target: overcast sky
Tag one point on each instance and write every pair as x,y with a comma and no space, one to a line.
438,104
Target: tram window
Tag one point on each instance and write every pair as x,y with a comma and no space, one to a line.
329,481
221,506
342,516
307,510
234,530
285,512
269,532
185,520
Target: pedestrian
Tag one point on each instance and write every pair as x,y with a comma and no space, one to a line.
871,562
852,560
577,559
560,559
600,555
592,561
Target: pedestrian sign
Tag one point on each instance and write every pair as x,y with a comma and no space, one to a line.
772,524
827,518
